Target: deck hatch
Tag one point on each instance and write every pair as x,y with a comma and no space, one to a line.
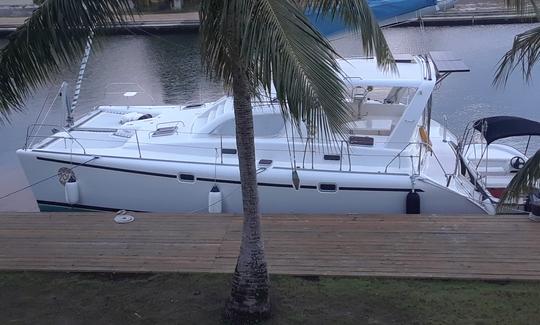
164,131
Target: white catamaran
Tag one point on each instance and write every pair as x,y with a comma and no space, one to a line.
183,158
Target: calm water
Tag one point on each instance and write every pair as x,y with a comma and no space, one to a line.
168,69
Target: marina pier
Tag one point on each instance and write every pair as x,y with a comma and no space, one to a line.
401,246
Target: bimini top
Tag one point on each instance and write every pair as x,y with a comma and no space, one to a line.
409,69
500,127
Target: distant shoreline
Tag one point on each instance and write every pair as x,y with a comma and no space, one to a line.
189,22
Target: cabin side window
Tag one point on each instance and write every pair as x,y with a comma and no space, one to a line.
265,125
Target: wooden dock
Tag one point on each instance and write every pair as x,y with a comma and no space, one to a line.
465,247
140,24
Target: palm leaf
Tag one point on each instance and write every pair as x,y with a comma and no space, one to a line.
51,38
282,50
357,16
287,52
525,50
524,182
524,54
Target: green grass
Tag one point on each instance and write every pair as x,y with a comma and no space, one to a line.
62,298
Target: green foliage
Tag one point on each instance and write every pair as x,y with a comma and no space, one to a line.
524,54
525,50
524,182
53,36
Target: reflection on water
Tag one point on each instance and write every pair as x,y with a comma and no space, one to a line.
176,60
168,68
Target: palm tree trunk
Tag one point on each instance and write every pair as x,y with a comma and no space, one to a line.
249,300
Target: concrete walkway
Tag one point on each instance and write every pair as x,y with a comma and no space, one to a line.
456,247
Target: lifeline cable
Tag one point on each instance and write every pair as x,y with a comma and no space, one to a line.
43,180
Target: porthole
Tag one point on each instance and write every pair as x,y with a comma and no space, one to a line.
186,178
327,187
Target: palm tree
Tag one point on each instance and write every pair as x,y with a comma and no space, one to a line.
523,55
249,45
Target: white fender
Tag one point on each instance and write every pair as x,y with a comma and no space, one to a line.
215,200
72,192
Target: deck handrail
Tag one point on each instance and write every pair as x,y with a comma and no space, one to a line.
309,148
428,146
28,136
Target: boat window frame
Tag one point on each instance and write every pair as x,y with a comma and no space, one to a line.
280,132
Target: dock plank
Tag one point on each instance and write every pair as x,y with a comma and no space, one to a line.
461,247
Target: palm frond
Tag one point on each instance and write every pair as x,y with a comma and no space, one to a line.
214,55
51,38
525,181
525,50
357,16
287,52
524,54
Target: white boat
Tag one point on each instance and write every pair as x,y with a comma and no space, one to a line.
494,163
396,159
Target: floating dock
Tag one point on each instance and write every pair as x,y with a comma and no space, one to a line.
402,246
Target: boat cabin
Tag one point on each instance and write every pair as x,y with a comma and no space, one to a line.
389,118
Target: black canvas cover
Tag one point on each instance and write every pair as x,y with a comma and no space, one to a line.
499,127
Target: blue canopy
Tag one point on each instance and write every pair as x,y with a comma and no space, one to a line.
382,9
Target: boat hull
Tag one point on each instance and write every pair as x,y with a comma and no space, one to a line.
113,183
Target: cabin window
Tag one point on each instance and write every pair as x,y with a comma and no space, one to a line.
186,178
327,187
265,125
332,157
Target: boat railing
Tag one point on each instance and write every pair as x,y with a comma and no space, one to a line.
429,148
55,128
312,153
